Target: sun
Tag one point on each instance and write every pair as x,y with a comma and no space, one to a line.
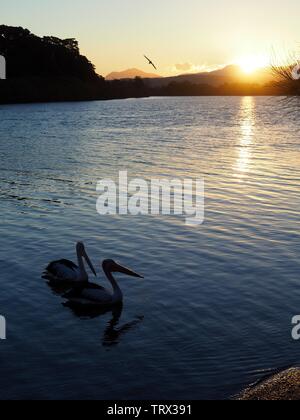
249,64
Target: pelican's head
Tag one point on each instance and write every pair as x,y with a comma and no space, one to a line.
112,267
81,251
80,247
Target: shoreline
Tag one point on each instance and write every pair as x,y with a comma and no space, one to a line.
283,386
61,101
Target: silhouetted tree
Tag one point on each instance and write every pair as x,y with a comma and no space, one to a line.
28,54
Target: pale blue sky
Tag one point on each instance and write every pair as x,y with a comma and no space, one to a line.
115,34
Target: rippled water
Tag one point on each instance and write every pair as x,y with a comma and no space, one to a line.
214,311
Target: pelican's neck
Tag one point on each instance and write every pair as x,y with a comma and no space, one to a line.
118,295
81,266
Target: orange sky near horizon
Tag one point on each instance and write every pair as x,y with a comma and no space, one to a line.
180,36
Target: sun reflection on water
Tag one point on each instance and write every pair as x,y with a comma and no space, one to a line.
247,124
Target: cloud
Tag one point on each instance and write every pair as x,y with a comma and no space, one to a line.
183,66
193,68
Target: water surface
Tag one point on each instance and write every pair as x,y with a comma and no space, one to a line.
214,311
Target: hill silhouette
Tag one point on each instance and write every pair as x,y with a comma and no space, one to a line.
29,55
131,74
228,74
44,69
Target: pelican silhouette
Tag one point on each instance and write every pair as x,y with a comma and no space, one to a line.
91,294
150,62
65,271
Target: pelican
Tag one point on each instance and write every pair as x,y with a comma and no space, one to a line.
150,62
66,271
90,294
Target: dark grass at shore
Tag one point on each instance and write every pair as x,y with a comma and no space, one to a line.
287,75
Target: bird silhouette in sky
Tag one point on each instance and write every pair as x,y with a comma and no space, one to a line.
150,62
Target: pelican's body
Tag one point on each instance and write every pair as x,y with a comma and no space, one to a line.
67,271
91,294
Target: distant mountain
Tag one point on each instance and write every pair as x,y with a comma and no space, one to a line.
229,74
131,74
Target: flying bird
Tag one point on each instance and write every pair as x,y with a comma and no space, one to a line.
150,62
90,294
66,271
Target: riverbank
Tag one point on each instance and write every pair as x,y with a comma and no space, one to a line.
282,386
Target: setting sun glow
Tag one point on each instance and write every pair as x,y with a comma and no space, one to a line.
251,63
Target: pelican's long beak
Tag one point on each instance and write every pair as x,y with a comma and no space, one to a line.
86,257
120,269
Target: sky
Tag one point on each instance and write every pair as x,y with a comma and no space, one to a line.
179,35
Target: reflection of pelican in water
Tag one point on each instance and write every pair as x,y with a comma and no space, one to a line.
94,311
90,294
112,333
65,271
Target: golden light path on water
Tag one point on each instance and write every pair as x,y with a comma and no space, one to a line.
246,139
